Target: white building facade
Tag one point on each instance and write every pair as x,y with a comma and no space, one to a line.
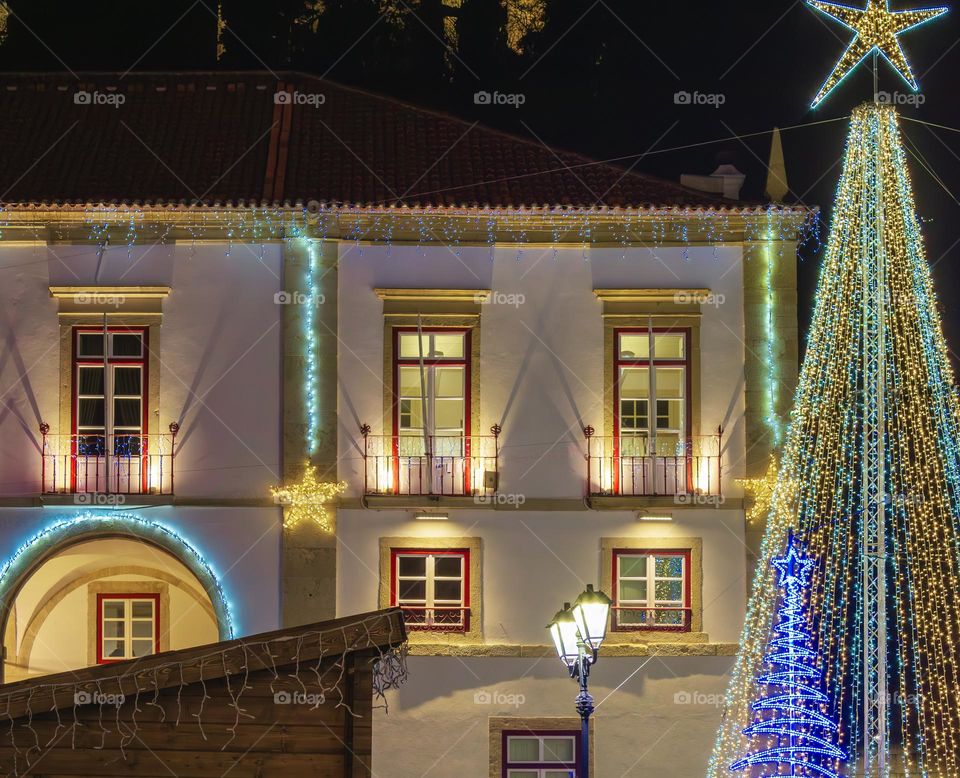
519,391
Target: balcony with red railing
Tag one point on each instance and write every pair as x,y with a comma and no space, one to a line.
121,463
638,466
431,465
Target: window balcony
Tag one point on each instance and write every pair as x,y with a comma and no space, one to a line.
436,618
117,463
431,465
659,618
637,466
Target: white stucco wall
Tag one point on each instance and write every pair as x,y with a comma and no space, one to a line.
657,717
541,362
220,357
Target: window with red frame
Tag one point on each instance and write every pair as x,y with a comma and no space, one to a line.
432,587
431,380
128,626
652,403
651,589
109,390
541,754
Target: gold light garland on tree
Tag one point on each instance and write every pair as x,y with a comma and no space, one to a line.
307,500
820,493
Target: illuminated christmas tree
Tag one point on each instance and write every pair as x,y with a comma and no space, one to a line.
791,718
869,478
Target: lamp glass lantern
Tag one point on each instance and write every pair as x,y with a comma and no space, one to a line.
565,634
590,612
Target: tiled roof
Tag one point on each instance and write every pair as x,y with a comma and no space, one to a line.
222,138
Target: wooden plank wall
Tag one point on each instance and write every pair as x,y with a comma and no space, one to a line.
272,737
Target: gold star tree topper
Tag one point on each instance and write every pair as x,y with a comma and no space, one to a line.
877,29
307,500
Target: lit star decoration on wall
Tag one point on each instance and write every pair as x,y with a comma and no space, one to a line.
307,500
792,715
877,29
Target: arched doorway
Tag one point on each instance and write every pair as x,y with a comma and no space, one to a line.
95,589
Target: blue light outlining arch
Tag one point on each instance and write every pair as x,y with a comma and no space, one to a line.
65,532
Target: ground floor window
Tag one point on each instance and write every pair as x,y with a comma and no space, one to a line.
542,754
128,626
432,587
652,589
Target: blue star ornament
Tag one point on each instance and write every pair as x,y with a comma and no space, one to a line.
878,29
794,566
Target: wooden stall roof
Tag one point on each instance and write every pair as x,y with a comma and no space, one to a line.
381,631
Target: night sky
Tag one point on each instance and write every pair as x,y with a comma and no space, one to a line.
599,78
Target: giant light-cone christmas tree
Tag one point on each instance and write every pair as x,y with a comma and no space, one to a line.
869,478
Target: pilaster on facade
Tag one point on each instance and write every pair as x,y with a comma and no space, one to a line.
309,297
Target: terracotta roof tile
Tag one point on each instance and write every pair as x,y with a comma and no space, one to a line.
222,138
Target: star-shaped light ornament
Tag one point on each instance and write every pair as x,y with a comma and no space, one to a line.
877,29
307,500
795,566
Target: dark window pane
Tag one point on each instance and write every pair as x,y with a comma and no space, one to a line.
113,609
446,590
90,380
412,590
126,345
90,344
413,565
126,413
446,566
90,446
126,380
113,629
113,648
142,609
90,413
127,445
142,647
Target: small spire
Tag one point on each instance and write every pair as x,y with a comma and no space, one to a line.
777,186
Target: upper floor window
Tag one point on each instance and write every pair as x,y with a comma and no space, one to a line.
651,589
652,402
109,413
432,587
128,626
552,754
432,381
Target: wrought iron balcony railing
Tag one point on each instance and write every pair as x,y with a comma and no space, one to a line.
451,618
441,465
121,463
635,466
625,618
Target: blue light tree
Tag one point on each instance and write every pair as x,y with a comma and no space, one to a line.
792,717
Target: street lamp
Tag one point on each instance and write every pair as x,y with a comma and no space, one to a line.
577,633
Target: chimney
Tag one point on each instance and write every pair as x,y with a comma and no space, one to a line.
726,180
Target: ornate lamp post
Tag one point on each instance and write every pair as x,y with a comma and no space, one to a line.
577,633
